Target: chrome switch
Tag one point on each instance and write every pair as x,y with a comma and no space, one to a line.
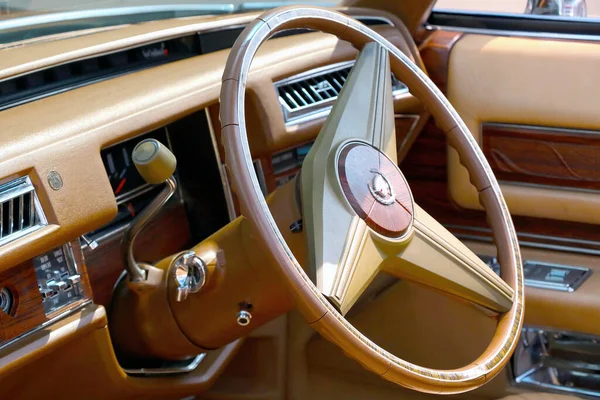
74,281
190,274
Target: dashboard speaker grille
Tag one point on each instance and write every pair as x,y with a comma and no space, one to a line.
20,210
311,94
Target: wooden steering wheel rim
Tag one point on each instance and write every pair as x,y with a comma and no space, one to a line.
319,313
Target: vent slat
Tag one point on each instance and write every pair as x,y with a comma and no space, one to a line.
21,206
11,219
299,99
31,211
309,96
1,219
291,99
338,84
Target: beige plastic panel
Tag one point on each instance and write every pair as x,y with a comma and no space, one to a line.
525,81
436,258
336,235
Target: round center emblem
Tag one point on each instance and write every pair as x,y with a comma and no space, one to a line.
375,189
381,188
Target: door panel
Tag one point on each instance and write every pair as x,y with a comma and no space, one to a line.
535,83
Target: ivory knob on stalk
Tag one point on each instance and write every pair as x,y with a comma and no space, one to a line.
154,161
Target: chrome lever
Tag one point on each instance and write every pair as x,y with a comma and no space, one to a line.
156,164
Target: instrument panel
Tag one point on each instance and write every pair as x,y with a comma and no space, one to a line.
126,182
131,191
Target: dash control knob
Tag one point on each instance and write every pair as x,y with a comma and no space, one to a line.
190,274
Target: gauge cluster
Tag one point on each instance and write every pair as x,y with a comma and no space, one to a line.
126,182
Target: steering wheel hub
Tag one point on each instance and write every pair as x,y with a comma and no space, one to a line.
381,188
376,189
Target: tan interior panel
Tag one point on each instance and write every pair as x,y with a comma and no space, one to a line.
548,87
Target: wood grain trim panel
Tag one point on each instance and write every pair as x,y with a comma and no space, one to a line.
28,308
435,52
28,312
545,156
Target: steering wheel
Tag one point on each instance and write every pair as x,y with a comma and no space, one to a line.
358,213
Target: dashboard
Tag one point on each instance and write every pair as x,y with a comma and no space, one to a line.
78,190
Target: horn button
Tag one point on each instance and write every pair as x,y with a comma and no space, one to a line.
376,189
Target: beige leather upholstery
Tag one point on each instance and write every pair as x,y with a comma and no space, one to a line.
539,396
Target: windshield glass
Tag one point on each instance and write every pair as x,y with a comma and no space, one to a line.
27,19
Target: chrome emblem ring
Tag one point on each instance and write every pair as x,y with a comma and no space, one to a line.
381,188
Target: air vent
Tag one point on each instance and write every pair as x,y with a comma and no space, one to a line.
57,79
311,95
20,210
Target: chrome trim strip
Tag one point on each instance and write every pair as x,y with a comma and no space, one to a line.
15,188
551,129
166,370
511,33
65,313
522,17
263,5
44,19
548,187
526,243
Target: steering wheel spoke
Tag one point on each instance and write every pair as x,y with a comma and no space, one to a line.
437,259
343,259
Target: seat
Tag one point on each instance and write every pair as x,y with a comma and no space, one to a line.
539,396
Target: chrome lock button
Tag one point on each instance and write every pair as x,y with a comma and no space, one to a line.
190,274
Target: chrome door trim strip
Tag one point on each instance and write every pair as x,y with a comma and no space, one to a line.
192,365
570,245
504,182
513,33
